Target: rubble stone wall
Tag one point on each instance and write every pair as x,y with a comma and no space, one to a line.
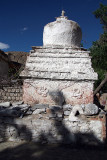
10,93
46,127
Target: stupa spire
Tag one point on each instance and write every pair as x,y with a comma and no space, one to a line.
63,13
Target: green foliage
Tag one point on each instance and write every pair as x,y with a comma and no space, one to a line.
101,13
99,53
99,47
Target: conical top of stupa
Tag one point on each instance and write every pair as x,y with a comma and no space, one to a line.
62,32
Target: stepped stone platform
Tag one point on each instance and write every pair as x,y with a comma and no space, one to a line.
58,69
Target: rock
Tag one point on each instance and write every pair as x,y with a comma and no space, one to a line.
5,104
24,105
67,113
39,111
17,103
73,118
77,110
39,106
28,112
10,113
103,101
91,109
55,108
21,107
67,107
15,111
60,115
83,106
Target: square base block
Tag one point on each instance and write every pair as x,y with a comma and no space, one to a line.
72,92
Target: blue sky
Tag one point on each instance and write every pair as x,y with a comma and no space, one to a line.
22,21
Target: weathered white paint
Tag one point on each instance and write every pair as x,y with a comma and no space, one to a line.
74,65
62,32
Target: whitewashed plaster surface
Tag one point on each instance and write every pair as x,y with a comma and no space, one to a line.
69,65
62,32
60,65
37,91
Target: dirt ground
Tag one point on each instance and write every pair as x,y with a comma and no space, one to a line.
33,151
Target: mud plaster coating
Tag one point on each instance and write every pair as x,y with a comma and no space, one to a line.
37,91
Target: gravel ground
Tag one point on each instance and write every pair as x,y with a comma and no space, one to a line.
33,151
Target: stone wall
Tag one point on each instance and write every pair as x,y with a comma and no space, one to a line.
51,124
11,93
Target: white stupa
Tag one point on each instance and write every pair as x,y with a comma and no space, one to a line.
62,32
60,65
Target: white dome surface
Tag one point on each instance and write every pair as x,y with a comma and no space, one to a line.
62,32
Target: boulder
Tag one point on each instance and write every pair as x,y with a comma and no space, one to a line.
77,110
67,107
5,104
23,107
39,111
91,109
17,103
67,113
39,106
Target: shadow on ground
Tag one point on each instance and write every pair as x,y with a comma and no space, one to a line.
36,151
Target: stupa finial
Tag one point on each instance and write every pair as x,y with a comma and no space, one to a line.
62,14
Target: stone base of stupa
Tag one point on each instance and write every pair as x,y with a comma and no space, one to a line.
57,92
56,75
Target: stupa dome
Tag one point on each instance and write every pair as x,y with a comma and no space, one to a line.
62,32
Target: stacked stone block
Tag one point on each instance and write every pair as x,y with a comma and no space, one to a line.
11,93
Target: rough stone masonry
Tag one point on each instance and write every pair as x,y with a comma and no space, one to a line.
59,66
52,124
